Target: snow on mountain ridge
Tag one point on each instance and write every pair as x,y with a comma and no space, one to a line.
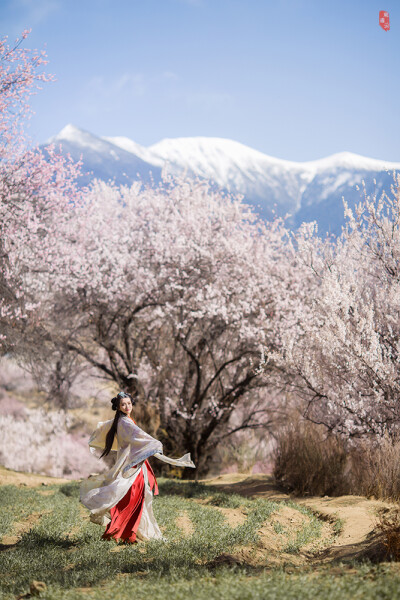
201,151
236,150
134,148
309,190
73,135
228,163
349,160
181,148
104,159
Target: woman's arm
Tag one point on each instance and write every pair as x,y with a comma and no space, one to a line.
97,440
142,445
184,461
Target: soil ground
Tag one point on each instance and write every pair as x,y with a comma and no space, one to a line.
357,516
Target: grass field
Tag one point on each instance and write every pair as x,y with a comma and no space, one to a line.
218,545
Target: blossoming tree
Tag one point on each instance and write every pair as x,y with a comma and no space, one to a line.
340,350
169,292
31,181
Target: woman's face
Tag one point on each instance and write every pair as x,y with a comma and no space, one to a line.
125,406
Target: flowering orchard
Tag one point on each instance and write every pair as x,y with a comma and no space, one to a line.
38,442
341,350
31,182
176,292
169,292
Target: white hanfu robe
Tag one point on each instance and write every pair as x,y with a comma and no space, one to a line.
132,447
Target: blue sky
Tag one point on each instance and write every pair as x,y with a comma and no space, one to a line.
295,79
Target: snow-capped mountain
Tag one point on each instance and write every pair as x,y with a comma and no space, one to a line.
309,191
103,159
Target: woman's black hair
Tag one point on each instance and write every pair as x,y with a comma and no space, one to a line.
113,429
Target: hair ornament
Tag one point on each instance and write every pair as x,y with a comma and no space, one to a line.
116,400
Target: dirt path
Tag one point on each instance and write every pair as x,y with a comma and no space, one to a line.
19,528
9,477
357,514
185,524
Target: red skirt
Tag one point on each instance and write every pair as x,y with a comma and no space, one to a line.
126,515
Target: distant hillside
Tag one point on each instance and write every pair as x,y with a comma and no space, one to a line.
309,191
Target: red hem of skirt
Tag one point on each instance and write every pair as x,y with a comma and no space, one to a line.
126,514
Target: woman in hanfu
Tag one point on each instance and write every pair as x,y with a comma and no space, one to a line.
122,498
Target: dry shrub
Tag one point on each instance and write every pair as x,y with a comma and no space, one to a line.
374,468
240,453
308,460
389,526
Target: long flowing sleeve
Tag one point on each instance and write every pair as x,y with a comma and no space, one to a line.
141,445
183,461
97,441
99,493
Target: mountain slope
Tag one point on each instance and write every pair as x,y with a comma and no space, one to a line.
102,159
310,190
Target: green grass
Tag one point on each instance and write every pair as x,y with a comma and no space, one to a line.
279,528
24,500
370,583
309,532
338,526
67,552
